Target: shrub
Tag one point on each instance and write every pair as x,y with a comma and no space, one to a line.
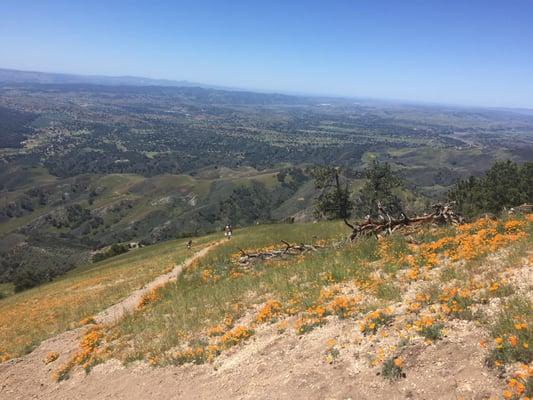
196,355
26,277
342,306
236,336
393,368
432,332
313,318
115,250
374,320
270,312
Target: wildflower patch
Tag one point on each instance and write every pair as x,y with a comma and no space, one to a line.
270,312
375,320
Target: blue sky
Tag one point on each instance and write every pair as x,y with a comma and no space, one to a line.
448,51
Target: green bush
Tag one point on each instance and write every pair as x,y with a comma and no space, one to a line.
392,369
115,250
433,332
26,277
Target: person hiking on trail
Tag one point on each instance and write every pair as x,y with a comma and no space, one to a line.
228,231
189,244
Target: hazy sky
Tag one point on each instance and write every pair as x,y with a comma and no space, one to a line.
454,51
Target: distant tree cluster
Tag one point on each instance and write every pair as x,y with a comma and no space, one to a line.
247,205
380,186
29,266
336,201
14,126
26,277
506,184
114,250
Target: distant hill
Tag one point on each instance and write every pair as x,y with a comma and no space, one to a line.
16,76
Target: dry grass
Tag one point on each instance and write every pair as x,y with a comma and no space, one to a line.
396,292
370,282
361,281
210,296
29,317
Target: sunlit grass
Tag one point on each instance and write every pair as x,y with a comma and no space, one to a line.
218,303
6,289
190,313
191,305
31,316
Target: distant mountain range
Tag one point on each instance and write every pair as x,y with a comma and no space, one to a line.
16,76
13,76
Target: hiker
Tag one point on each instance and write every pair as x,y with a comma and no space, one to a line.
228,231
189,244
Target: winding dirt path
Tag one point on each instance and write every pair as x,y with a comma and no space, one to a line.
117,311
28,377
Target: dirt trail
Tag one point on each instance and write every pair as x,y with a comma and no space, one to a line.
117,311
28,377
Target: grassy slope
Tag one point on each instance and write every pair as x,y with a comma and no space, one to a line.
59,305
6,289
209,307
205,294
390,288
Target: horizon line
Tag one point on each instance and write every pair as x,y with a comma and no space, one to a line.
222,87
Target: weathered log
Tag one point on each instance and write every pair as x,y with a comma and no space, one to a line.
441,214
289,250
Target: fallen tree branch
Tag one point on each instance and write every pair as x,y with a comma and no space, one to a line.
386,224
277,254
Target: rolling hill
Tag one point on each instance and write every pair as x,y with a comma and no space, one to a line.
85,166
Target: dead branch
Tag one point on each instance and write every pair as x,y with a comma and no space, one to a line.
277,254
349,225
442,214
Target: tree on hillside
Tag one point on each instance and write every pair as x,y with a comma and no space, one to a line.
334,199
380,186
506,184
26,277
246,205
114,250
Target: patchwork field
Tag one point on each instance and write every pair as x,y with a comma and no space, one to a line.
85,167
